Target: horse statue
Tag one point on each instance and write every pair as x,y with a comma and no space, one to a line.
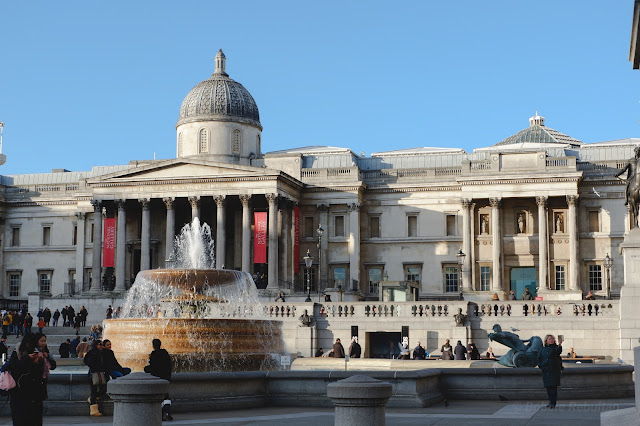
520,355
633,186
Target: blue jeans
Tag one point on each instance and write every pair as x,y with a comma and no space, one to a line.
115,374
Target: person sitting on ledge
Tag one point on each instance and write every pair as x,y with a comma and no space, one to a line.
490,354
590,296
495,296
280,297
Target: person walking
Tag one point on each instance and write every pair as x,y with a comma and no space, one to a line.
160,366
114,368
97,376
26,365
459,352
447,351
354,349
550,362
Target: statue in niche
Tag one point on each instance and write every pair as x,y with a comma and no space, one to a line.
632,194
520,355
305,319
484,224
559,224
521,224
460,318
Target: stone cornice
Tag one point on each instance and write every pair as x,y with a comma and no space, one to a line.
128,182
516,181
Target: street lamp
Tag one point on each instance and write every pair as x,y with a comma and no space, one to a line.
460,255
320,232
608,263
308,261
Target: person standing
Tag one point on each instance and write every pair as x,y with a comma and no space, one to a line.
447,351
71,314
160,366
83,316
550,362
419,352
64,349
47,316
109,312
41,323
473,351
4,348
527,294
459,352
93,359
338,350
27,369
56,316
354,349
65,310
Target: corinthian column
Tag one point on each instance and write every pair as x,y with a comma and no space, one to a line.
169,233
96,269
246,232
145,239
220,232
195,207
323,245
80,239
354,245
272,254
574,267
121,246
543,244
496,231
466,245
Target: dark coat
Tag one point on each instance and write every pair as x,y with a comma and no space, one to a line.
473,351
447,352
31,387
110,361
550,363
419,353
159,364
64,350
338,350
355,350
94,360
460,352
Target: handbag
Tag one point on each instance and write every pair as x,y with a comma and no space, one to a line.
7,381
99,379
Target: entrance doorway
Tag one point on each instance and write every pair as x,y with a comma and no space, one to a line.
522,278
383,344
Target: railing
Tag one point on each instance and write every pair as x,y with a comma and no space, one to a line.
70,288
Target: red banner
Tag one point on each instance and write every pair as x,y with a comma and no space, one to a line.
109,244
260,237
296,240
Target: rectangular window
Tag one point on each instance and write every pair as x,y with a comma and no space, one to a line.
15,237
451,279
44,282
340,277
338,226
93,226
412,226
374,226
595,277
594,221
46,235
560,277
14,284
74,237
485,278
375,276
451,224
412,273
307,228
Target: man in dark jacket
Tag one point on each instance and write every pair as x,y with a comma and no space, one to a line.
73,346
354,349
65,349
459,352
160,366
419,352
338,350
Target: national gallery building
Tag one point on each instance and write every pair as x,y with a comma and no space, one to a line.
539,210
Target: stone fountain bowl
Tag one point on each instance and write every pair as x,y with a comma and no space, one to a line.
198,344
192,279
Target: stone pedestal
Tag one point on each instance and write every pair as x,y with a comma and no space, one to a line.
630,296
459,333
305,338
359,400
137,399
626,416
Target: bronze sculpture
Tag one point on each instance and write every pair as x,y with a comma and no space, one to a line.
633,186
520,355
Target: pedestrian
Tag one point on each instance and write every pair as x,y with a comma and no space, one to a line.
109,312
419,352
338,350
65,310
65,349
354,348
28,323
47,358
83,347
71,314
6,320
550,362
56,315
160,366
447,351
473,351
527,294
512,295
4,348
17,323
459,352
97,376
41,324
83,316
26,365
114,368
73,346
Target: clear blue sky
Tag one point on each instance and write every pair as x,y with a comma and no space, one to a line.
86,83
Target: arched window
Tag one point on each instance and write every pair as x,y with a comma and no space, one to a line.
235,142
258,152
180,145
204,141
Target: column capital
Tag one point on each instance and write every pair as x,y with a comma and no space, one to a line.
495,202
97,205
219,199
168,202
194,200
572,200
323,207
271,198
120,204
354,207
542,201
466,203
144,202
245,199
80,215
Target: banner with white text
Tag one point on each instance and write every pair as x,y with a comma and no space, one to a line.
109,243
260,237
296,240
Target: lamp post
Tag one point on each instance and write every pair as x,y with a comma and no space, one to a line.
608,263
320,232
460,255
308,260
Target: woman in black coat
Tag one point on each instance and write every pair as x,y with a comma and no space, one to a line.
27,368
94,360
550,363
459,352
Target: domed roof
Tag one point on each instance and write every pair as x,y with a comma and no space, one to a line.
538,133
219,98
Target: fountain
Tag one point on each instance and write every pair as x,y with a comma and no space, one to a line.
208,319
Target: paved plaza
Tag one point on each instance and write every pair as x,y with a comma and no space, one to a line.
578,412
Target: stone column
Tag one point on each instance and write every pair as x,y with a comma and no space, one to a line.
96,267
121,247
323,257
574,266
543,245
354,245
359,400
137,399
272,254
80,240
466,245
195,207
220,232
496,231
170,230
246,232
285,231
145,239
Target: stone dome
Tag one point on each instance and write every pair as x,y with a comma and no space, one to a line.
219,98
